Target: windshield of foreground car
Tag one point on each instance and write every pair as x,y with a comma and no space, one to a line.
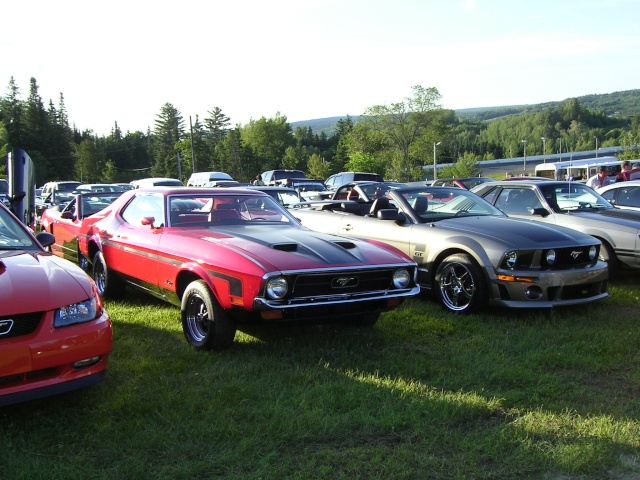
13,236
438,203
226,209
565,198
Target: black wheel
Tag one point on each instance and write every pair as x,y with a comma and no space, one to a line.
459,284
204,322
108,282
366,320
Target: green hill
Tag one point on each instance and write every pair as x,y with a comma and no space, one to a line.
623,104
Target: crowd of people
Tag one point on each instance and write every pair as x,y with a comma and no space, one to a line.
602,178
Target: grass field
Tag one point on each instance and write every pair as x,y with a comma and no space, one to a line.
424,394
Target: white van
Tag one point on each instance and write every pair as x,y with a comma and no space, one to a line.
199,179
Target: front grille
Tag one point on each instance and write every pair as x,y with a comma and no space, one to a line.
343,282
22,324
568,257
577,292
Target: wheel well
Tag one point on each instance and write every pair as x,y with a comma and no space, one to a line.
92,249
452,251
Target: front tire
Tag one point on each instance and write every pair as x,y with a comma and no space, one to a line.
205,324
108,283
460,285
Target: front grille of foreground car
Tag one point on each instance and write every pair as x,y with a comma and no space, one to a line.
17,325
570,257
348,281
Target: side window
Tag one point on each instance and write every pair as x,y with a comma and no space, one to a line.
609,195
490,197
145,206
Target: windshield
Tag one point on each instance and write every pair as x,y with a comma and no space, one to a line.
436,203
574,196
13,235
229,209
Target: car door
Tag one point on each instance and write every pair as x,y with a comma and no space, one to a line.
65,229
387,231
133,249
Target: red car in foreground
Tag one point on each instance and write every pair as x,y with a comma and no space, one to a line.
224,255
55,334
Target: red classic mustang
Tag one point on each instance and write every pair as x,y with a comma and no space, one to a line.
227,254
55,335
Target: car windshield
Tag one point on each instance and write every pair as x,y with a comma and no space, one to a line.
228,209
437,203
572,197
13,235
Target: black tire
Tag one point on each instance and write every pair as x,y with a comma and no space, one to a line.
205,324
366,320
460,285
108,283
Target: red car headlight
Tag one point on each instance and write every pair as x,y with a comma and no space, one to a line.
80,312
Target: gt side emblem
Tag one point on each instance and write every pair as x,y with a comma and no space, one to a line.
344,282
5,326
575,254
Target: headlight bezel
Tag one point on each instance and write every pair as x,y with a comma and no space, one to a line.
276,288
401,278
76,313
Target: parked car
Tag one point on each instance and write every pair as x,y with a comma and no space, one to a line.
625,195
472,255
200,179
156,182
466,183
573,205
334,181
285,196
308,189
124,186
53,194
99,187
65,223
55,334
4,190
363,192
239,254
275,177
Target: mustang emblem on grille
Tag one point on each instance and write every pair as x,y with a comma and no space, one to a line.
5,326
344,282
575,254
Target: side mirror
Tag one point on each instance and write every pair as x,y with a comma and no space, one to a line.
67,215
45,239
543,212
387,214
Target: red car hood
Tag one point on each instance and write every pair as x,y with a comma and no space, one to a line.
38,281
291,248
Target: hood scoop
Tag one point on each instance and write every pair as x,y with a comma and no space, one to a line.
285,247
345,244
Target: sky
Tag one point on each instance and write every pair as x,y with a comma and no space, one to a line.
120,61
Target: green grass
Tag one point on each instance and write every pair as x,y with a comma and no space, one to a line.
423,394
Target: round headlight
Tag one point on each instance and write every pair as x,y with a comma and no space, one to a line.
277,287
511,259
401,278
551,257
593,252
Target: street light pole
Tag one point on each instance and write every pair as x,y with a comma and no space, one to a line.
544,149
435,169
560,150
596,146
524,168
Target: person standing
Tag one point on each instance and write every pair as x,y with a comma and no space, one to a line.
626,170
599,180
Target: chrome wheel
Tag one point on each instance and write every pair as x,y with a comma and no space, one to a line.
460,285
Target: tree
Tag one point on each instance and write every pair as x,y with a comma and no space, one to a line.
268,139
317,167
466,166
401,125
169,130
